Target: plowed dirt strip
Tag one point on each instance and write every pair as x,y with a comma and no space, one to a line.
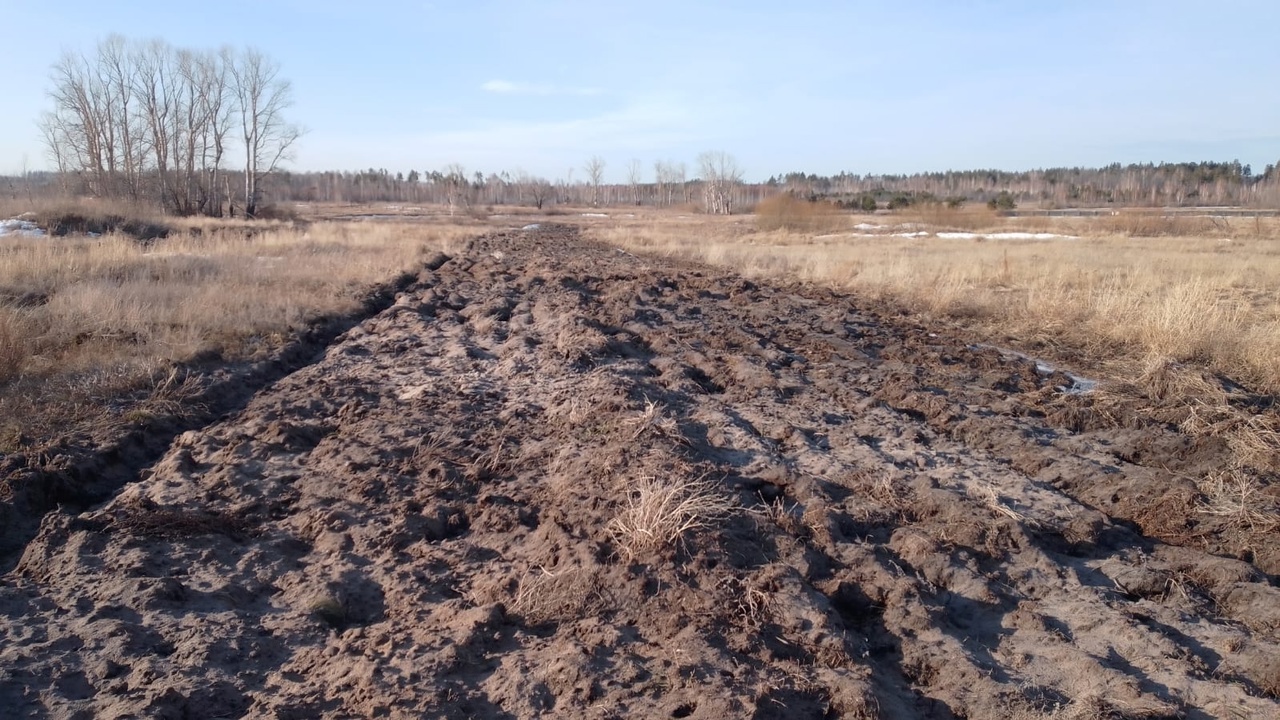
439,519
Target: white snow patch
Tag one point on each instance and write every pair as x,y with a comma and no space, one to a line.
1079,385
533,226
1004,236
594,215
870,235
19,228
868,226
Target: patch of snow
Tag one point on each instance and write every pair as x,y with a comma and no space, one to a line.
868,226
18,227
533,226
594,215
1004,236
1079,385
870,235
167,254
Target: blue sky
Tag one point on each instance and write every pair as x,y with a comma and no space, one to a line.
868,87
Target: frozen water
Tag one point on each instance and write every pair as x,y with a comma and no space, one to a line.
19,227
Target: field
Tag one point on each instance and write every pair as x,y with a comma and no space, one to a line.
647,465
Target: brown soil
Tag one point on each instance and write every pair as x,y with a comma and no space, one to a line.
429,521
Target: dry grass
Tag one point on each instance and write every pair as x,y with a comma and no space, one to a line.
1240,501
546,596
787,212
1110,299
970,217
84,320
660,512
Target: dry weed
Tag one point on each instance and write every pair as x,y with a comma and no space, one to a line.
545,596
653,419
990,497
752,606
1239,500
659,513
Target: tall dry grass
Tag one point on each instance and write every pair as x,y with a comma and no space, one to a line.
788,212
1108,300
84,320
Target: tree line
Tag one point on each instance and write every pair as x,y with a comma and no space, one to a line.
149,122
715,183
1139,184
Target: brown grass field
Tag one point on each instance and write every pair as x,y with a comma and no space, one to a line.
1129,290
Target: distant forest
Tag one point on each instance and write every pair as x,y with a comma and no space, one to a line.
670,184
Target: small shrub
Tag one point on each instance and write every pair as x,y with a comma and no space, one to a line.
1004,202
900,201
788,212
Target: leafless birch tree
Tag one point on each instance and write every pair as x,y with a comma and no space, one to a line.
633,180
262,96
720,175
595,175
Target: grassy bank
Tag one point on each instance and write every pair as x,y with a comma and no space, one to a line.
86,320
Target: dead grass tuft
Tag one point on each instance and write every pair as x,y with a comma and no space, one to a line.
752,607
660,513
544,596
1240,500
653,419
990,497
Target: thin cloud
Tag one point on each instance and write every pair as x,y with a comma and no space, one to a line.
505,87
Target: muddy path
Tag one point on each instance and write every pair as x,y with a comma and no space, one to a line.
452,514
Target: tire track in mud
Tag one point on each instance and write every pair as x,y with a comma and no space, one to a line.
421,524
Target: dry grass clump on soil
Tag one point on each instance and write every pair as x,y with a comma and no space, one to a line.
660,512
84,319
1240,500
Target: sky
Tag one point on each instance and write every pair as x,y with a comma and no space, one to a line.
817,86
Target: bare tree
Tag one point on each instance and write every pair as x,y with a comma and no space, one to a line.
456,187
215,98
633,180
261,96
595,175
533,189
141,119
720,176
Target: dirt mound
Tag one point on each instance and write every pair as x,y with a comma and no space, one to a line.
554,478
